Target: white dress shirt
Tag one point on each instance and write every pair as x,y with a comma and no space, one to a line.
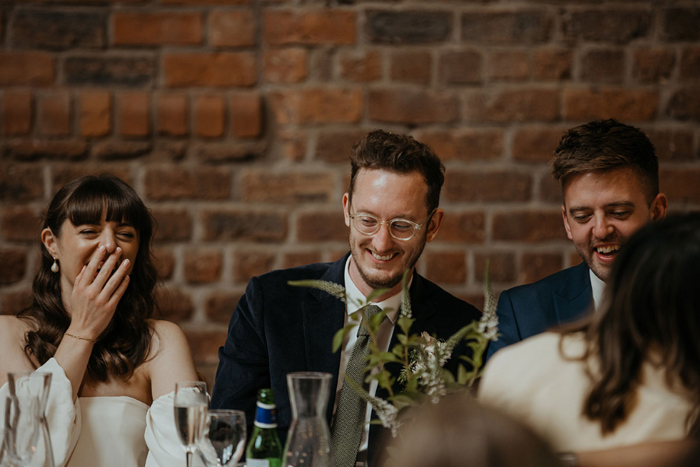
597,287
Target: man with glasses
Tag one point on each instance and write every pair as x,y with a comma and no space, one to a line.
391,210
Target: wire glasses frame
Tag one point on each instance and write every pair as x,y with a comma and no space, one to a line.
400,229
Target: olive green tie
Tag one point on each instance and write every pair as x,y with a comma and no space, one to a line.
349,421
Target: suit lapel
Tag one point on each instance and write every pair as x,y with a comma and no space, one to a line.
573,299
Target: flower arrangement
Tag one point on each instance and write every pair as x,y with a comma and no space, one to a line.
422,357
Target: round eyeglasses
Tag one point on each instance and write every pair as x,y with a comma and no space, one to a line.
400,229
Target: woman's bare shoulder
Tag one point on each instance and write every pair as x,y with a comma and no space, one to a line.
12,335
171,359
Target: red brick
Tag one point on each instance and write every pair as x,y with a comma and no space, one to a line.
63,174
14,263
410,67
501,266
685,104
221,153
16,112
681,24
204,2
512,105
118,150
463,227
228,225
214,69
285,66
20,223
653,65
671,144
95,113
461,67
173,225
536,143
603,66
408,26
209,116
320,226
328,26
509,65
618,26
446,267
249,264
14,302
246,114
361,66
295,188
527,226
164,261
104,70
487,186
550,190
322,65
220,306
690,64
26,68
297,258
520,27
536,266
172,114
412,107
58,29
202,266
465,145
205,344
174,304
185,183
552,64
624,104
48,149
317,105
157,28
292,144
680,185
231,28
54,115
335,146
134,109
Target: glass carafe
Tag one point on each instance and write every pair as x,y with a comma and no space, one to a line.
309,439
27,438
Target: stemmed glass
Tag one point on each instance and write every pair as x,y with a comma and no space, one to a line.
223,438
191,401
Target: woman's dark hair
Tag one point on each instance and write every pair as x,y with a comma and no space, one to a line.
650,314
125,343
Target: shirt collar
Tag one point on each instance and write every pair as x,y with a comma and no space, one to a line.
598,287
353,296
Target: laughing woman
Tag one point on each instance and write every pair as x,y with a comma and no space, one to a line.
90,324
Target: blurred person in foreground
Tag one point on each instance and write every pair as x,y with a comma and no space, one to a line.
609,177
628,374
90,325
459,432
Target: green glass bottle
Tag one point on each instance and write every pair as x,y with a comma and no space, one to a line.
264,448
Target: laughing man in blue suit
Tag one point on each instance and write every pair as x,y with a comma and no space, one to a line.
609,176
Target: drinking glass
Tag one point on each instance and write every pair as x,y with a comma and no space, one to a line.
191,401
223,438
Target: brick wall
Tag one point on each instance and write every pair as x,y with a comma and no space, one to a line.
233,120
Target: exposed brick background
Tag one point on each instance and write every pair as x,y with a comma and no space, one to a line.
233,119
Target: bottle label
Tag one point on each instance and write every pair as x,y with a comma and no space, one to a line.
257,463
265,416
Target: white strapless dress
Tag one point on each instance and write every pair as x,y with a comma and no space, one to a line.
108,431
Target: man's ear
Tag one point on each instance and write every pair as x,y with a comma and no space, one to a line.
566,222
659,207
50,241
434,225
346,209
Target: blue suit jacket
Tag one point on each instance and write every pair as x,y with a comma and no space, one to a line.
531,309
277,329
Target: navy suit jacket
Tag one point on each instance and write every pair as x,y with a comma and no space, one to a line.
531,309
277,328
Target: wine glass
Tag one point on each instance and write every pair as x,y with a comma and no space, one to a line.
223,438
191,401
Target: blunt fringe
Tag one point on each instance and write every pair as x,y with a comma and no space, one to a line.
649,313
603,145
402,154
126,342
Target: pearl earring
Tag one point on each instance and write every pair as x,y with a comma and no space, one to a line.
54,266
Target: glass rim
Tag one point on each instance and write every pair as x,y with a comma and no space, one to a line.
309,375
